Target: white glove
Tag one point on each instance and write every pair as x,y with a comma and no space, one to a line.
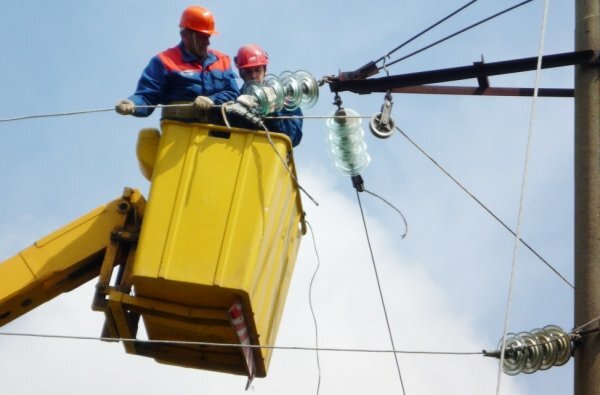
248,101
203,103
125,107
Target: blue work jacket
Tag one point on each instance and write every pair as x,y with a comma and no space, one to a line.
177,75
291,127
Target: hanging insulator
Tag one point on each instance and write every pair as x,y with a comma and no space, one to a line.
539,349
346,142
289,91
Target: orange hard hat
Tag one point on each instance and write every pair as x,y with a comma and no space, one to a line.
198,19
251,55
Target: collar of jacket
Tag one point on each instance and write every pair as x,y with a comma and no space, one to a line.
189,58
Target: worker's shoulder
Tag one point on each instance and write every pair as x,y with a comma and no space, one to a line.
218,54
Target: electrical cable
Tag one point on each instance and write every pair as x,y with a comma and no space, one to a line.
55,114
523,191
425,31
456,33
310,303
529,247
380,291
268,347
403,235
574,330
60,114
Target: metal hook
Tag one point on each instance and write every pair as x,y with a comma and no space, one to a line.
386,56
337,101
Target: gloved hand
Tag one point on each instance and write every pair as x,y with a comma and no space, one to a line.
248,101
203,103
248,117
125,107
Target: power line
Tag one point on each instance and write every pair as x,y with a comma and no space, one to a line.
271,347
387,321
425,30
456,33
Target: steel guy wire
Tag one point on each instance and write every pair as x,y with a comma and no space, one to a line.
457,33
472,196
310,303
523,189
268,347
387,321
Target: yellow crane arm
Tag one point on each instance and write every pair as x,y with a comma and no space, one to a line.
66,258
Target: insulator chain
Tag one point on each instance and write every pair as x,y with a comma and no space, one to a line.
287,91
539,349
347,146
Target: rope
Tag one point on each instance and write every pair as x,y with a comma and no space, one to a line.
523,190
387,321
270,347
490,212
310,303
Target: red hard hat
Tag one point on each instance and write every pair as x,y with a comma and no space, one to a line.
198,19
251,55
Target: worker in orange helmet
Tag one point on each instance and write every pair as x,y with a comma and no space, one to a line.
251,61
189,72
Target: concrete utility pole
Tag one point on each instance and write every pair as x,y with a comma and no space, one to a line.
587,198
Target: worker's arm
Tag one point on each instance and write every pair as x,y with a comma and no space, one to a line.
150,89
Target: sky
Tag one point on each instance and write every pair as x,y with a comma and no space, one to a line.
445,285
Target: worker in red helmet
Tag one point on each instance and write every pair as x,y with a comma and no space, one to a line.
251,61
189,72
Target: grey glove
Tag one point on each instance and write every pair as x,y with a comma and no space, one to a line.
247,100
203,103
245,114
125,107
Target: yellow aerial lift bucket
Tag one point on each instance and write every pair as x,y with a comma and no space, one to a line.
217,248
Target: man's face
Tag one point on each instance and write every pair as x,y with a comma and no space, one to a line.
256,73
196,42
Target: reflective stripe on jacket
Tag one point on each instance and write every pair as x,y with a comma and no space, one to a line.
177,75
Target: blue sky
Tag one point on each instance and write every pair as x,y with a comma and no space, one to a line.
445,284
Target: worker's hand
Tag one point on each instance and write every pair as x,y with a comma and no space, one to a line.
203,103
125,107
248,101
